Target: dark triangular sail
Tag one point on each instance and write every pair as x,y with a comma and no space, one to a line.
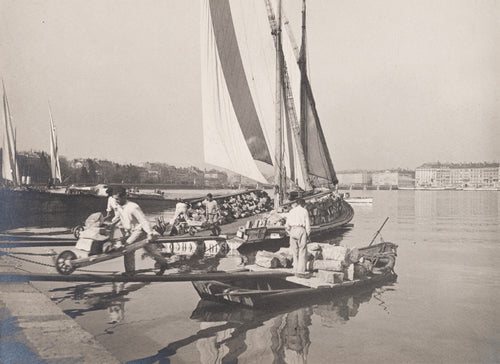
319,162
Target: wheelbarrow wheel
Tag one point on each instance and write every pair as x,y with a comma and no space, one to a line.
77,230
192,231
63,262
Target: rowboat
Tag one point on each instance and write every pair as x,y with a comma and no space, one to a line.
271,290
359,200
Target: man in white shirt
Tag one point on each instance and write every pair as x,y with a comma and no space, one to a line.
212,213
112,206
180,208
137,228
298,227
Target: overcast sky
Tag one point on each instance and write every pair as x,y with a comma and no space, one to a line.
397,83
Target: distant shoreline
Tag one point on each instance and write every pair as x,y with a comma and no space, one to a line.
393,188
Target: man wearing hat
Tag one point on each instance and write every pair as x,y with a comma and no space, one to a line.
136,225
298,227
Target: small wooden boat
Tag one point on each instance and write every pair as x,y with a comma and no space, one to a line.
359,200
264,291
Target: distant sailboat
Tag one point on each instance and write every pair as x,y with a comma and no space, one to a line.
55,168
10,170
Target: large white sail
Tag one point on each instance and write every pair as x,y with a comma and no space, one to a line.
238,89
233,138
10,171
55,168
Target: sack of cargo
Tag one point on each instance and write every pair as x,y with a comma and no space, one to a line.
360,271
334,252
330,277
367,264
314,255
349,272
332,265
91,246
266,260
285,257
84,244
314,250
354,255
285,251
313,246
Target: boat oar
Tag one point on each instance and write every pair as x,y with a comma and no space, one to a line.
378,231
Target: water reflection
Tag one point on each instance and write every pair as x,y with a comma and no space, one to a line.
97,296
281,334
456,204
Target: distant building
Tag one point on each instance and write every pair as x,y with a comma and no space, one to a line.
215,179
150,176
355,179
393,179
458,175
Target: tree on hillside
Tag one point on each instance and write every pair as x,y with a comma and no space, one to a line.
92,171
84,175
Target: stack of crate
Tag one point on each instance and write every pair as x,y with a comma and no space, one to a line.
332,262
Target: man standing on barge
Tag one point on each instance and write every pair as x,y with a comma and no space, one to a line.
212,214
298,227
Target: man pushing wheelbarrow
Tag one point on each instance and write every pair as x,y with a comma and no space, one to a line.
137,234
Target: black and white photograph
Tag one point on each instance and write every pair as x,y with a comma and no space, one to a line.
250,181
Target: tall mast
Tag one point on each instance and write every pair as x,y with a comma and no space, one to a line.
302,61
278,166
307,103
291,114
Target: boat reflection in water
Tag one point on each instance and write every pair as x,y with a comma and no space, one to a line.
232,334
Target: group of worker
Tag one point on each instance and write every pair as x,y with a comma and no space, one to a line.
136,227
229,209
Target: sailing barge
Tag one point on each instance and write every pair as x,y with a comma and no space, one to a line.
272,290
250,123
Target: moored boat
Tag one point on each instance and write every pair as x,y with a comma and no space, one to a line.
359,200
264,291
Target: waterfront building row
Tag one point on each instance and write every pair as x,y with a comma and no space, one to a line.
427,176
473,175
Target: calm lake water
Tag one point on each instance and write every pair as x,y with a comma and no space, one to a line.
442,309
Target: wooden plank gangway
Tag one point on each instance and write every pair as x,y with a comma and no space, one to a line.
172,277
